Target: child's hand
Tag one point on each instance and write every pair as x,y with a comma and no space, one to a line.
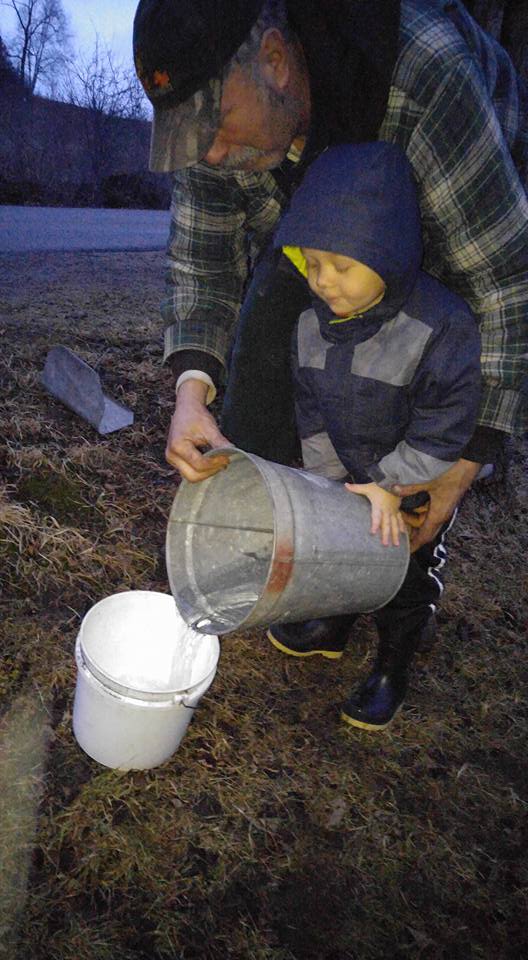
386,515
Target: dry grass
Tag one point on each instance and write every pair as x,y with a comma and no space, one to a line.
273,833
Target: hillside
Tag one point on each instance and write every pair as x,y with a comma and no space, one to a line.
55,152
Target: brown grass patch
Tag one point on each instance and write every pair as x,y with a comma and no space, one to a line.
274,833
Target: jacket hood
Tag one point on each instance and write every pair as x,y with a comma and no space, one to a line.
360,201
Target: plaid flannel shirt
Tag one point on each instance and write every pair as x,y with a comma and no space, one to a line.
474,207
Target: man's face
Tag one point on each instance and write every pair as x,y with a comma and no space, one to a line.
257,126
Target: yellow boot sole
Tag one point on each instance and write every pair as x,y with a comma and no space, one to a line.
329,654
362,725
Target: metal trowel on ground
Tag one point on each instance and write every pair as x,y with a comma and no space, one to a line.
76,384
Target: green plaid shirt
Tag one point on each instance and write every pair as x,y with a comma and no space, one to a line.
474,207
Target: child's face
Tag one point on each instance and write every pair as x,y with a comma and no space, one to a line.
346,285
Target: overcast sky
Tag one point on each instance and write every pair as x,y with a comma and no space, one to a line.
111,19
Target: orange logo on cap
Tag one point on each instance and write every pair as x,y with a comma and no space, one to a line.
161,78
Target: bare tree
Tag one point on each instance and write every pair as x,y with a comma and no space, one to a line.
41,42
104,86
107,92
8,75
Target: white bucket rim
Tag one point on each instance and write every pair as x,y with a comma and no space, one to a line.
128,690
135,693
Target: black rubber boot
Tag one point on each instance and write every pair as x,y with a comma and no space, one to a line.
327,637
377,700
380,696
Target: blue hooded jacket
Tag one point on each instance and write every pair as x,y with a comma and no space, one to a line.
394,392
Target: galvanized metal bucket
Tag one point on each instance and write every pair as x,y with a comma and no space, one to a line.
260,543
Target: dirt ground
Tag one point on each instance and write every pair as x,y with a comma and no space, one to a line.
274,832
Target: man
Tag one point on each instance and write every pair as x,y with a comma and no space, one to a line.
238,84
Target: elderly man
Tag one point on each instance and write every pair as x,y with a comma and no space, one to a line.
246,93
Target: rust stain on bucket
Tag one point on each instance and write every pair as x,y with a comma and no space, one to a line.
281,568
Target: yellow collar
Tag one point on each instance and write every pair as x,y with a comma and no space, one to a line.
297,258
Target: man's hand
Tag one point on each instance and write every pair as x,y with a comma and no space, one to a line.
445,492
192,426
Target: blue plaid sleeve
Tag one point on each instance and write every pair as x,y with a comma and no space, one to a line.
474,206
218,220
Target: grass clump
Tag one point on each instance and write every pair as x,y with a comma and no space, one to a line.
51,494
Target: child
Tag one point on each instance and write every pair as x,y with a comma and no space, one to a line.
387,385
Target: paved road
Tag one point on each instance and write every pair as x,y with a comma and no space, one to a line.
24,229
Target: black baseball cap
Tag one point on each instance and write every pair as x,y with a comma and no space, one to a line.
181,48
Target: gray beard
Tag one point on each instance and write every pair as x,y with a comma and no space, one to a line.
244,155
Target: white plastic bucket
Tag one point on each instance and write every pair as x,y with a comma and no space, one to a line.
140,673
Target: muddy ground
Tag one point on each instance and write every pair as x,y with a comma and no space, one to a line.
274,832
